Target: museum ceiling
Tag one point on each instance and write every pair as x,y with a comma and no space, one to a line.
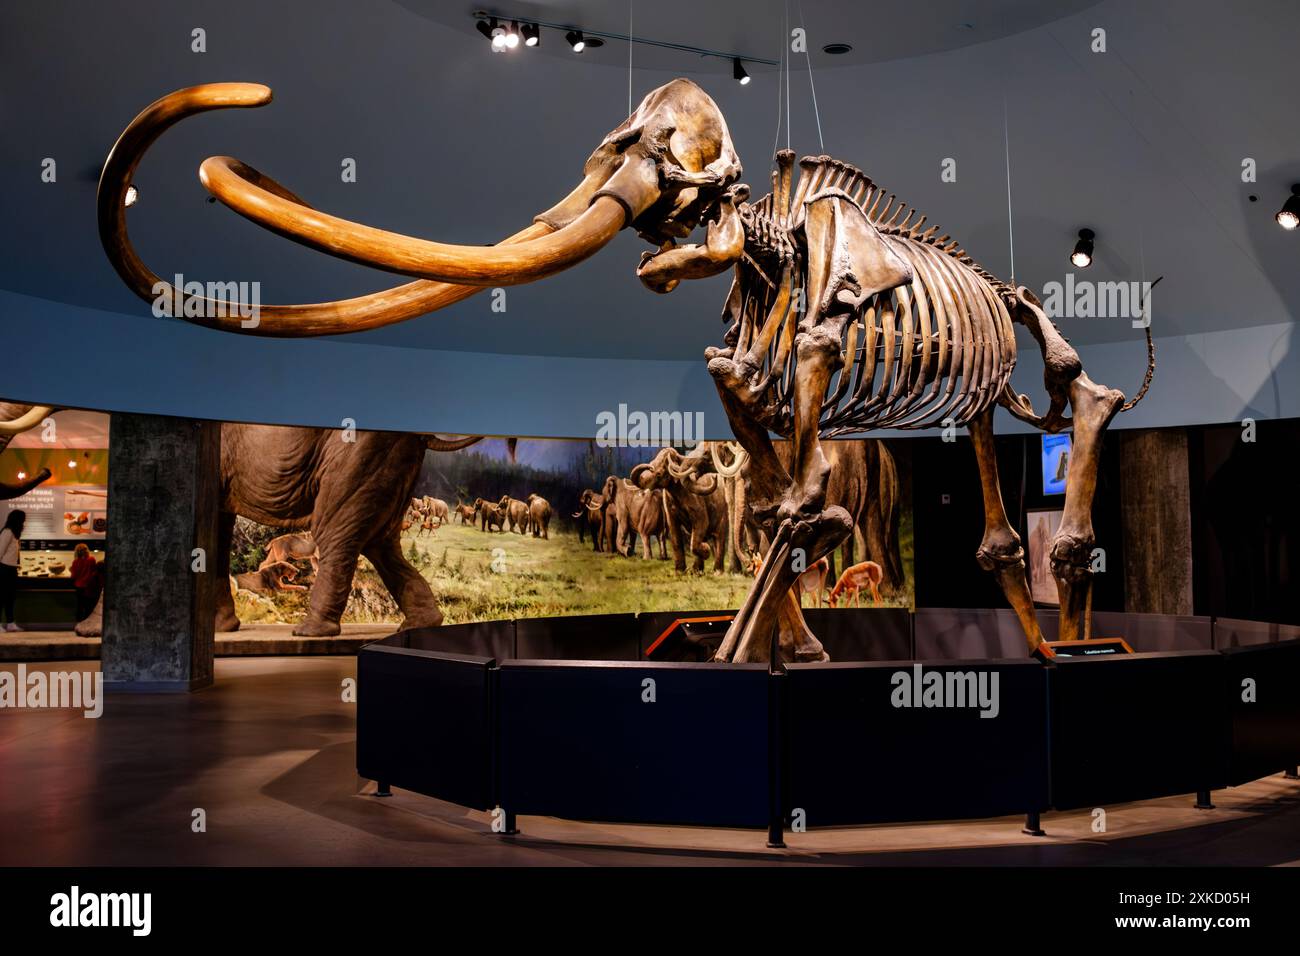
1143,143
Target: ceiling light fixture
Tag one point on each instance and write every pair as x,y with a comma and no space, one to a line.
738,71
512,35
1288,217
532,34
1082,255
576,41
837,49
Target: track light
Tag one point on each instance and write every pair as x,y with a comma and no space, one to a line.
738,71
495,32
1082,255
532,34
576,40
512,35
1288,216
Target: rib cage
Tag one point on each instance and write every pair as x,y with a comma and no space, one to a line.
938,349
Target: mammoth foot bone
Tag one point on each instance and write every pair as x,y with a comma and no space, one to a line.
771,616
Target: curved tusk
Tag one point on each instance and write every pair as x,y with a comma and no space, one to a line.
243,189
28,420
437,443
738,459
374,310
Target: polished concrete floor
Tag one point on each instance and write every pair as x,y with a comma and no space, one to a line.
267,754
249,640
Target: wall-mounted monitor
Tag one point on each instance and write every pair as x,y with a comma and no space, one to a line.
1056,462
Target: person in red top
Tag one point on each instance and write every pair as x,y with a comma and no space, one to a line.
85,578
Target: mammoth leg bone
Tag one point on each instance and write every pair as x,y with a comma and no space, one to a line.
1000,551
770,616
1092,406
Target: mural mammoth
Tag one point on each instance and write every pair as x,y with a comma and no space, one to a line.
694,506
351,496
864,482
844,315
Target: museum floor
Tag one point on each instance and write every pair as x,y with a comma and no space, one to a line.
268,754
251,639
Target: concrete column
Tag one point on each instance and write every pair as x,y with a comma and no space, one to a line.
1157,521
163,497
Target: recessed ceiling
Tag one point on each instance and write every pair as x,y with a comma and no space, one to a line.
1144,143
879,30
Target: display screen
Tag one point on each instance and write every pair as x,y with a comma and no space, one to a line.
1056,462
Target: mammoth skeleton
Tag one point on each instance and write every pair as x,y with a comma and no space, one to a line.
843,316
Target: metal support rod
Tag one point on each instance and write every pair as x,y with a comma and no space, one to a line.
1033,826
382,790
775,747
1203,800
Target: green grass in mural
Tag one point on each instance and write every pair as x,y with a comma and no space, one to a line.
535,577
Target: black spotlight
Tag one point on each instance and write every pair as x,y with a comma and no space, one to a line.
1082,254
484,28
738,71
576,41
1288,216
532,34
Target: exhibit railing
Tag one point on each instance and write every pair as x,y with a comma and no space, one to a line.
563,717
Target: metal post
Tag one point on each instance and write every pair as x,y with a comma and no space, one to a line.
382,790
775,727
1033,825
1203,800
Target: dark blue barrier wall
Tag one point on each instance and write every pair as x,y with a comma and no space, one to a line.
425,722
1265,731
487,639
578,741
853,757
594,637
1134,728
1230,632
863,634
958,634
574,738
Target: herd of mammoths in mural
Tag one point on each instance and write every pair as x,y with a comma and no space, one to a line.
685,506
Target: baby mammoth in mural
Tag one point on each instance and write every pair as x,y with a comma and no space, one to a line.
590,517
516,512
